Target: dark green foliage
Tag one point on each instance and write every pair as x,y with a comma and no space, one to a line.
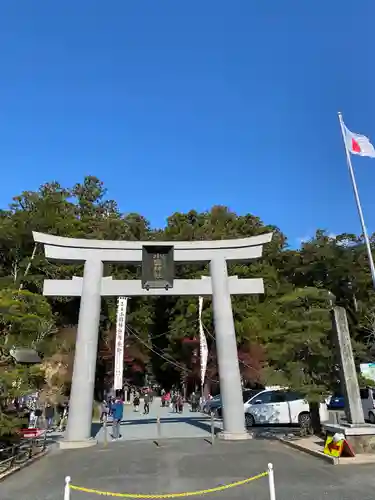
299,344
283,335
25,321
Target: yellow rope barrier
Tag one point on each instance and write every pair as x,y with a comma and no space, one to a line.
170,495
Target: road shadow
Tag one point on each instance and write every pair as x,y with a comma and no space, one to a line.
203,423
275,431
200,422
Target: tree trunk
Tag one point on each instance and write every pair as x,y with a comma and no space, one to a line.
316,426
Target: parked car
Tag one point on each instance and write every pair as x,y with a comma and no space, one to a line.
247,395
368,403
277,407
212,404
337,402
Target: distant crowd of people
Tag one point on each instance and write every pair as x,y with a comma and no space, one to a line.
175,400
55,417
114,406
37,414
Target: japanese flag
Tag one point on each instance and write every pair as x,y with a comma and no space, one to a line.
358,144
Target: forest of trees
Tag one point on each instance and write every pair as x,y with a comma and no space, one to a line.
284,337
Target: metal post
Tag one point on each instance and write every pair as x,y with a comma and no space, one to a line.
271,482
158,426
212,428
67,488
14,455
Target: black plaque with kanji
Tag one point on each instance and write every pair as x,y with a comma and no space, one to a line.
157,266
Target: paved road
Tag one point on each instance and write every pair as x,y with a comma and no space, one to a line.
136,426
190,464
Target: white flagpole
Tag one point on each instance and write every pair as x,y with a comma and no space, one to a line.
359,207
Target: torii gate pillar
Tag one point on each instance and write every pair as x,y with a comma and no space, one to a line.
93,253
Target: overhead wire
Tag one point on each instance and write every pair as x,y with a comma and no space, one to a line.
240,360
172,362
190,323
175,362
132,332
28,266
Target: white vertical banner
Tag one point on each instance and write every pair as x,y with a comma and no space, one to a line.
202,343
119,345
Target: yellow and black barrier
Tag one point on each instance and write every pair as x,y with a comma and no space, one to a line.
151,496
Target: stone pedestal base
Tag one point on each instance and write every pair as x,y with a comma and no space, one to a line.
231,436
361,438
71,445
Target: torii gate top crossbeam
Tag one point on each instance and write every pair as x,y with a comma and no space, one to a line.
76,249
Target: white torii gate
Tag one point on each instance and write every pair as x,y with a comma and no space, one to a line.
92,286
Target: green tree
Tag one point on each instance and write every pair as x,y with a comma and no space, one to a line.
338,264
299,344
26,321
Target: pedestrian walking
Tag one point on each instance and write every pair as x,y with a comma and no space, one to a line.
49,414
194,402
146,403
117,412
38,416
136,402
104,410
64,417
180,403
174,403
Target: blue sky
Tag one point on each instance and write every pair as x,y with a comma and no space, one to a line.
180,104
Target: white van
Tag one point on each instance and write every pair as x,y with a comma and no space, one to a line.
277,407
368,403
337,403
